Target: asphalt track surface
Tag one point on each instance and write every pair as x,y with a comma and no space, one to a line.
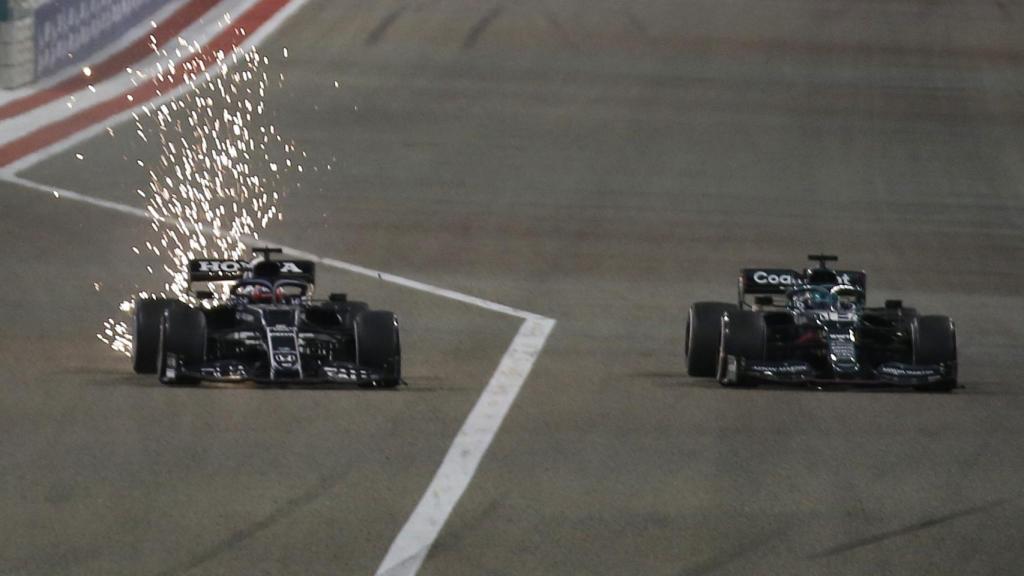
604,164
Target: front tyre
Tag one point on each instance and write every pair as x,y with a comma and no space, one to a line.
149,313
353,308
378,347
744,337
933,339
182,343
703,336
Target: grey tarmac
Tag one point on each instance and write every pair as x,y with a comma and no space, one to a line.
604,164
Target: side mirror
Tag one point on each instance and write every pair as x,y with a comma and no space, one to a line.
893,304
338,297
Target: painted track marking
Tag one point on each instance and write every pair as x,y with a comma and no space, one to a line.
409,549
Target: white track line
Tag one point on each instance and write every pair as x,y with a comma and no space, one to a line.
61,193
410,547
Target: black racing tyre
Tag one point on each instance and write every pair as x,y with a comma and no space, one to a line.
149,312
903,315
352,310
182,335
744,336
933,341
378,346
703,335
342,313
347,312
905,318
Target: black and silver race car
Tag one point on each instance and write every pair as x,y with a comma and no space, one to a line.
814,327
268,329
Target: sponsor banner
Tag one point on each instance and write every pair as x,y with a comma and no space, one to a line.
794,368
69,31
219,270
769,280
780,280
909,371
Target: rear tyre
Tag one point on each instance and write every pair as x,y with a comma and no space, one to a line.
933,340
703,336
743,340
149,312
908,313
901,317
378,347
182,341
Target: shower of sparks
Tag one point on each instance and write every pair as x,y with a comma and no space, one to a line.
209,190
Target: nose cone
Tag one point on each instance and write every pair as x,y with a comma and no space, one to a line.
844,367
842,355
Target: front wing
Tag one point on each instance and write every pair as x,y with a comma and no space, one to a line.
227,371
800,372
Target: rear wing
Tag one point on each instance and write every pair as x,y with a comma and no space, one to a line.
774,282
217,270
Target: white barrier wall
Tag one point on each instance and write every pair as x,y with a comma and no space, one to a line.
17,52
17,42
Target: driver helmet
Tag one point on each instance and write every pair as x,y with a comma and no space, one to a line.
845,298
265,295
815,299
